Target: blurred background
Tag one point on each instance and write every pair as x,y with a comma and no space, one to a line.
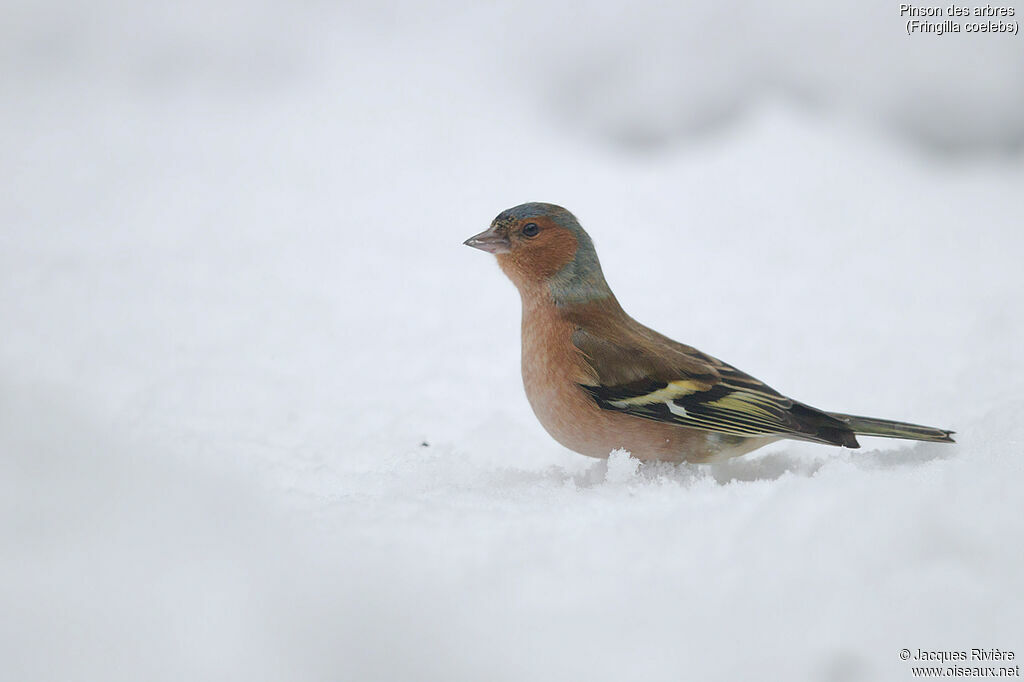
260,410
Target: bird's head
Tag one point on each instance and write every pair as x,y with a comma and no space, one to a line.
543,245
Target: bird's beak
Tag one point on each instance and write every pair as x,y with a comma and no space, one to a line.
490,241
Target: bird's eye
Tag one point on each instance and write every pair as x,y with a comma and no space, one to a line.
531,229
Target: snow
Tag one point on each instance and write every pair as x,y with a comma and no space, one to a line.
260,411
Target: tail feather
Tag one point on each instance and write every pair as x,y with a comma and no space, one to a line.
868,426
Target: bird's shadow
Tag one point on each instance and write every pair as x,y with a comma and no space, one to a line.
768,466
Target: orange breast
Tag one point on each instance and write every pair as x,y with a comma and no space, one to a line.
553,368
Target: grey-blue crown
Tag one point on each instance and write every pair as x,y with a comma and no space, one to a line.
536,209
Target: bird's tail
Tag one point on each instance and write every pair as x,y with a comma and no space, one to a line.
868,426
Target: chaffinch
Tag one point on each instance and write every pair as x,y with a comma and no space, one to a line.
599,380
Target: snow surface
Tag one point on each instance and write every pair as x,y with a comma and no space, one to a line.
260,410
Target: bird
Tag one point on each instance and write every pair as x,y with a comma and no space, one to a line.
599,381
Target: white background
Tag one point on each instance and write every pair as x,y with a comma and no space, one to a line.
234,305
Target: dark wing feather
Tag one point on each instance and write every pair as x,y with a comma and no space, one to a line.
648,375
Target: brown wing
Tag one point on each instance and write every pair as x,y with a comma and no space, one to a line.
648,375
